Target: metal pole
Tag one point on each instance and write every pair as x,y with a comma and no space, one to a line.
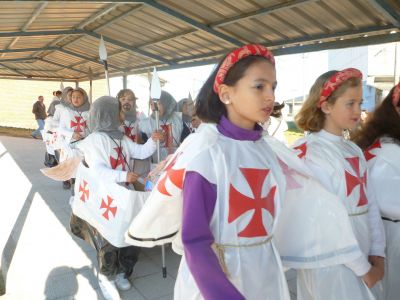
156,112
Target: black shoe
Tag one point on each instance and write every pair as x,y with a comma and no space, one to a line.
35,137
66,185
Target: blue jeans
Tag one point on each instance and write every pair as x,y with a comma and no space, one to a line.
40,123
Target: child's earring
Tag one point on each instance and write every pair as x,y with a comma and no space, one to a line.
226,100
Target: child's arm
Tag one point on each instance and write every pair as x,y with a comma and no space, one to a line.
144,151
199,197
104,171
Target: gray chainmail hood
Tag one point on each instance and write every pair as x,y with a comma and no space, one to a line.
85,106
104,117
169,104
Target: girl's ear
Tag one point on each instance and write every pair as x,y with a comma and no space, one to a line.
223,94
326,107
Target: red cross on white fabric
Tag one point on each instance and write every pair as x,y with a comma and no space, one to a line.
303,150
353,181
130,132
79,125
175,176
367,153
85,191
115,162
239,203
107,206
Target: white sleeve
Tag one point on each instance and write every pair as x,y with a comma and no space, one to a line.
103,171
378,240
359,266
142,151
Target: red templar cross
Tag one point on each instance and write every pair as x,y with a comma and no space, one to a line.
85,191
303,150
176,177
128,132
239,203
79,125
108,207
115,162
367,153
352,181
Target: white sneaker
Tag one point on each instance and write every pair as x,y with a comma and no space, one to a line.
122,282
108,288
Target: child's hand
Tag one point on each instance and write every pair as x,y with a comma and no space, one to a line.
376,272
76,136
131,177
158,136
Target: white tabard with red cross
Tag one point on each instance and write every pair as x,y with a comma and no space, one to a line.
341,168
172,129
107,206
72,121
250,188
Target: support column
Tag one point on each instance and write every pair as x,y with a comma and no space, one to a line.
125,81
76,84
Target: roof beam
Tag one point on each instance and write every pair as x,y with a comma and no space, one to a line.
26,50
40,33
62,66
362,31
14,70
354,42
91,19
22,59
128,47
260,12
191,22
386,10
35,14
38,78
85,57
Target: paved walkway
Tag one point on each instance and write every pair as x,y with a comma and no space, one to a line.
41,260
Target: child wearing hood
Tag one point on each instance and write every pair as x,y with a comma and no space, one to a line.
170,123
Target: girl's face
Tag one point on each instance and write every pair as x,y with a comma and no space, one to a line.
128,102
161,108
345,112
251,99
77,98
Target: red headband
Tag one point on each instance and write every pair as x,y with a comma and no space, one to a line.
335,81
238,54
396,95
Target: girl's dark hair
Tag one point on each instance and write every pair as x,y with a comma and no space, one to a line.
209,107
384,121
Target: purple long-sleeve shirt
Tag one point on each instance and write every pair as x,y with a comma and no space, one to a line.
199,199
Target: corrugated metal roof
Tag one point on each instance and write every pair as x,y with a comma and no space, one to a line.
59,39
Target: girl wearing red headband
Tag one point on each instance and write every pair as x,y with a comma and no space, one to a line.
333,106
228,251
380,140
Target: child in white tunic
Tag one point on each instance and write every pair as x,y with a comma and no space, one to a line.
380,138
332,107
